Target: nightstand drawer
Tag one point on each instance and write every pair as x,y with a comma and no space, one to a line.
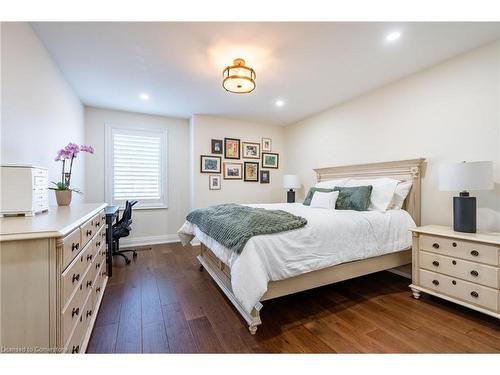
71,247
477,252
470,271
463,290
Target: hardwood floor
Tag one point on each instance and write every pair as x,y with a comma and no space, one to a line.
162,303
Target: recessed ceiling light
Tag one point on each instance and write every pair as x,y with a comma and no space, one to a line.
144,96
279,103
392,37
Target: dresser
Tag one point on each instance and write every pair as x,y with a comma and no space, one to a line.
53,276
460,267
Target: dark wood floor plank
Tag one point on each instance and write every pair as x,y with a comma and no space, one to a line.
161,303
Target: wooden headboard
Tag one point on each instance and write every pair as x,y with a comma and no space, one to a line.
403,170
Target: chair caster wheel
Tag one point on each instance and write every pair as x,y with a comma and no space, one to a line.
127,261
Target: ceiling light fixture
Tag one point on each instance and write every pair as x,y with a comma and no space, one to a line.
279,103
238,78
392,37
144,96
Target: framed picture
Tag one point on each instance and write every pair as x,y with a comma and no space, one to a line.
231,148
251,150
217,146
267,144
214,182
233,171
251,171
270,160
264,176
210,164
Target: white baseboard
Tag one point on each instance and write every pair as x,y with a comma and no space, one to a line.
146,241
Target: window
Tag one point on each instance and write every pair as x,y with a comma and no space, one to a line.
136,162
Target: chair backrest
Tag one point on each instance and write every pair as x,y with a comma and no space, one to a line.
127,213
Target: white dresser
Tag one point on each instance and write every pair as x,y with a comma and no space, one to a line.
460,267
53,275
24,190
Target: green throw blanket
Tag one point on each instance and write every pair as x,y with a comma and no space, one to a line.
232,225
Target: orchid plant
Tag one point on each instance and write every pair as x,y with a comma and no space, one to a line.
68,154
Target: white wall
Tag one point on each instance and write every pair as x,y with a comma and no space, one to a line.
149,225
40,112
203,129
447,113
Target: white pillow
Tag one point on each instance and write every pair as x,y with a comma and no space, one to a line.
402,190
324,200
330,184
382,191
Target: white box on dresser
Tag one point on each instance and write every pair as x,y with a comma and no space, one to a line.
24,190
52,278
460,267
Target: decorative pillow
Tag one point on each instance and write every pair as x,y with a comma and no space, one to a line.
353,198
330,184
324,200
382,192
400,194
307,201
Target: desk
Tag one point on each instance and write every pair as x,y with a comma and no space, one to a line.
111,213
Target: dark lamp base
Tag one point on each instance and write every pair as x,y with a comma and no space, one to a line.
290,196
464,214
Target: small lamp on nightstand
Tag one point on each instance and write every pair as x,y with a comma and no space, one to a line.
462,177
291,181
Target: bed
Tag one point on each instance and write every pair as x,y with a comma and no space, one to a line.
335,245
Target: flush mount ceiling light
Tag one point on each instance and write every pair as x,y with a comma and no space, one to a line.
392,37
239,78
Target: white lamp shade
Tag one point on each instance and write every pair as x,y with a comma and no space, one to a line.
291,181
465,176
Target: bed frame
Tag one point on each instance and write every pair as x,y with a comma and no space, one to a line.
404,170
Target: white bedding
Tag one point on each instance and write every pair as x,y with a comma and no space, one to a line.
330,237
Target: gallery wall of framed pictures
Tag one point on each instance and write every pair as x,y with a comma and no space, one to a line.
232,159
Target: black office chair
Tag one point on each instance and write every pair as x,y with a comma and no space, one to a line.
122,229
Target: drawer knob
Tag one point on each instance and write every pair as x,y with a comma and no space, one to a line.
89,232
435,245
98,243
435,282
76,277
98,289
89,257
76,311
474,253
454,282
75,246
89,283
76,349
454,262
89,313
97,224
474,294
435,263
454,244
474,273
97,266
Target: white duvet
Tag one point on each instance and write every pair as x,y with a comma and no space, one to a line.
330,237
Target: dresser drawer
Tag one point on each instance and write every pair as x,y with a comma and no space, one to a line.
74,344
72,276
463,290
98,288
477,252
88,230
71,247
470,271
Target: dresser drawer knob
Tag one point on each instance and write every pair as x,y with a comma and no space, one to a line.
474,294
97,266
76,311
98,243
454,282
474,273
89,232
454,262
89,257
474,253
76,349
435,263
89,283
454,244
89,313
435,245
97,224
435,282
76,277
98,289
75,246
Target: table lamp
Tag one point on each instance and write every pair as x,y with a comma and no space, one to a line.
463,177
291,181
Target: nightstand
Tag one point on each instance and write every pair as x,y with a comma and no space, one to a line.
459,267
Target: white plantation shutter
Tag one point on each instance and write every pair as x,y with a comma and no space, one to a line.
136,166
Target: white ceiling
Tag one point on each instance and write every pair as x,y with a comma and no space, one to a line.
311,66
